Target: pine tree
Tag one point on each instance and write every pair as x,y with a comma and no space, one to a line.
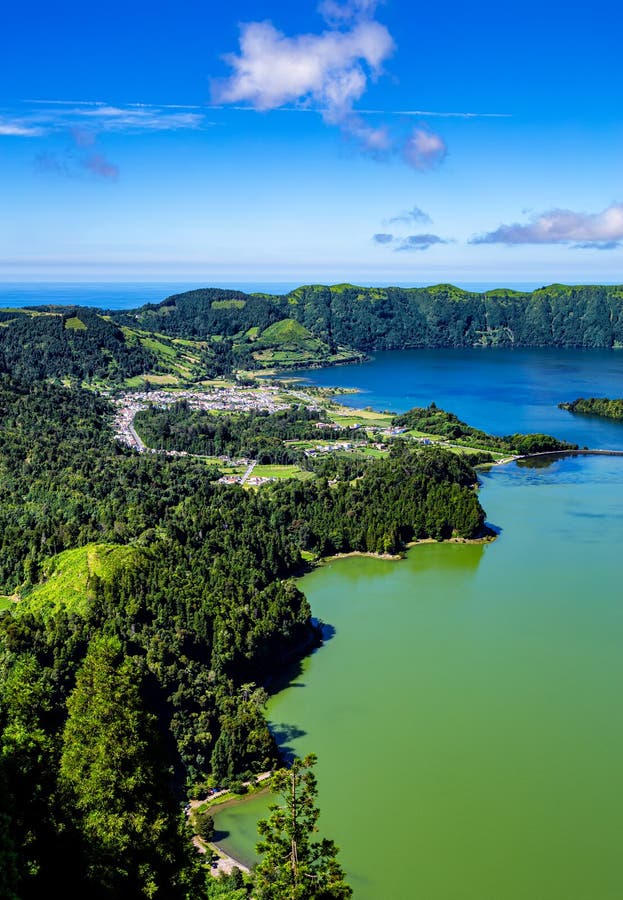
114,773
294,867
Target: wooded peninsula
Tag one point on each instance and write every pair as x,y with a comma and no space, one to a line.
595,406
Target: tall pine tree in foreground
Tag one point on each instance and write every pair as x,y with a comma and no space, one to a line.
295,867
133,841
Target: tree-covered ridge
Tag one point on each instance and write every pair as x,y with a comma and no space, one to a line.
208,333
595,406
257,435
86,345
396,318
433,420
75,342
149,602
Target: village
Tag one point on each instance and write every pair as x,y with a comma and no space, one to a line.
367,437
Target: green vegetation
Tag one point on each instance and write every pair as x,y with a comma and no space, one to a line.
153,604
346,318
434,421
64,582
203,823
75,323
78,343
295,867
282,472
254,435
210,333
595,406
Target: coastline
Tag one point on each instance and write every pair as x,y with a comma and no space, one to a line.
396,557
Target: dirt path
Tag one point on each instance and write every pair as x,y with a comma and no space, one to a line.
195,803
224,862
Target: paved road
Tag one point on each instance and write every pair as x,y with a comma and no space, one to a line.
248,472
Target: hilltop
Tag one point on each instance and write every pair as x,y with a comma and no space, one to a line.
208,333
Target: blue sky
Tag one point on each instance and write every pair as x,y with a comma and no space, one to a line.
279,141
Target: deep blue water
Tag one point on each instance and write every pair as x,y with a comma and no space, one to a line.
500,391
117,295
128,295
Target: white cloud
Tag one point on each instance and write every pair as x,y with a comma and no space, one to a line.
327,68
602,230
43,117
10,128
329,72
424,149
147,118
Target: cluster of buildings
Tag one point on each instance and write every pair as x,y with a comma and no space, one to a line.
335,426
328,448
233,399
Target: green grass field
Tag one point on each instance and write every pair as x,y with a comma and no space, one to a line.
344,415
282,472
75,324
138,381
64,583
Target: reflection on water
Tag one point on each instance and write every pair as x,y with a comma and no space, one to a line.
466,714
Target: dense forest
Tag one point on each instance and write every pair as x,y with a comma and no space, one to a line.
75,343
433,420
257,435
209,333
595,406
396,318
145,607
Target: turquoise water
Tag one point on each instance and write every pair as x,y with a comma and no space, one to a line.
501,391
467,712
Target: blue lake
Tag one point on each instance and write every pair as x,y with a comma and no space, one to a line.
500,391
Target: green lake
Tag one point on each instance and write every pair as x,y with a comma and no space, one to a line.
466,710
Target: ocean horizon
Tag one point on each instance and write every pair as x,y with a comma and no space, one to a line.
132,294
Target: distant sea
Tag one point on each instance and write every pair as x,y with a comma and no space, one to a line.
129,295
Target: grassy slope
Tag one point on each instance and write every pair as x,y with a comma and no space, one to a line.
65,578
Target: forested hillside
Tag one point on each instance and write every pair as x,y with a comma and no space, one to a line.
367,319
432,420
144,607
209,333
595,406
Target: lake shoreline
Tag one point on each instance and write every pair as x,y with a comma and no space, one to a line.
396,557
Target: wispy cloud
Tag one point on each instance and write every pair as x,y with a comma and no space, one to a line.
118,118
336,12
602,230
329,71
424,113
37,118
415,214
412,242
420,241
18,128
